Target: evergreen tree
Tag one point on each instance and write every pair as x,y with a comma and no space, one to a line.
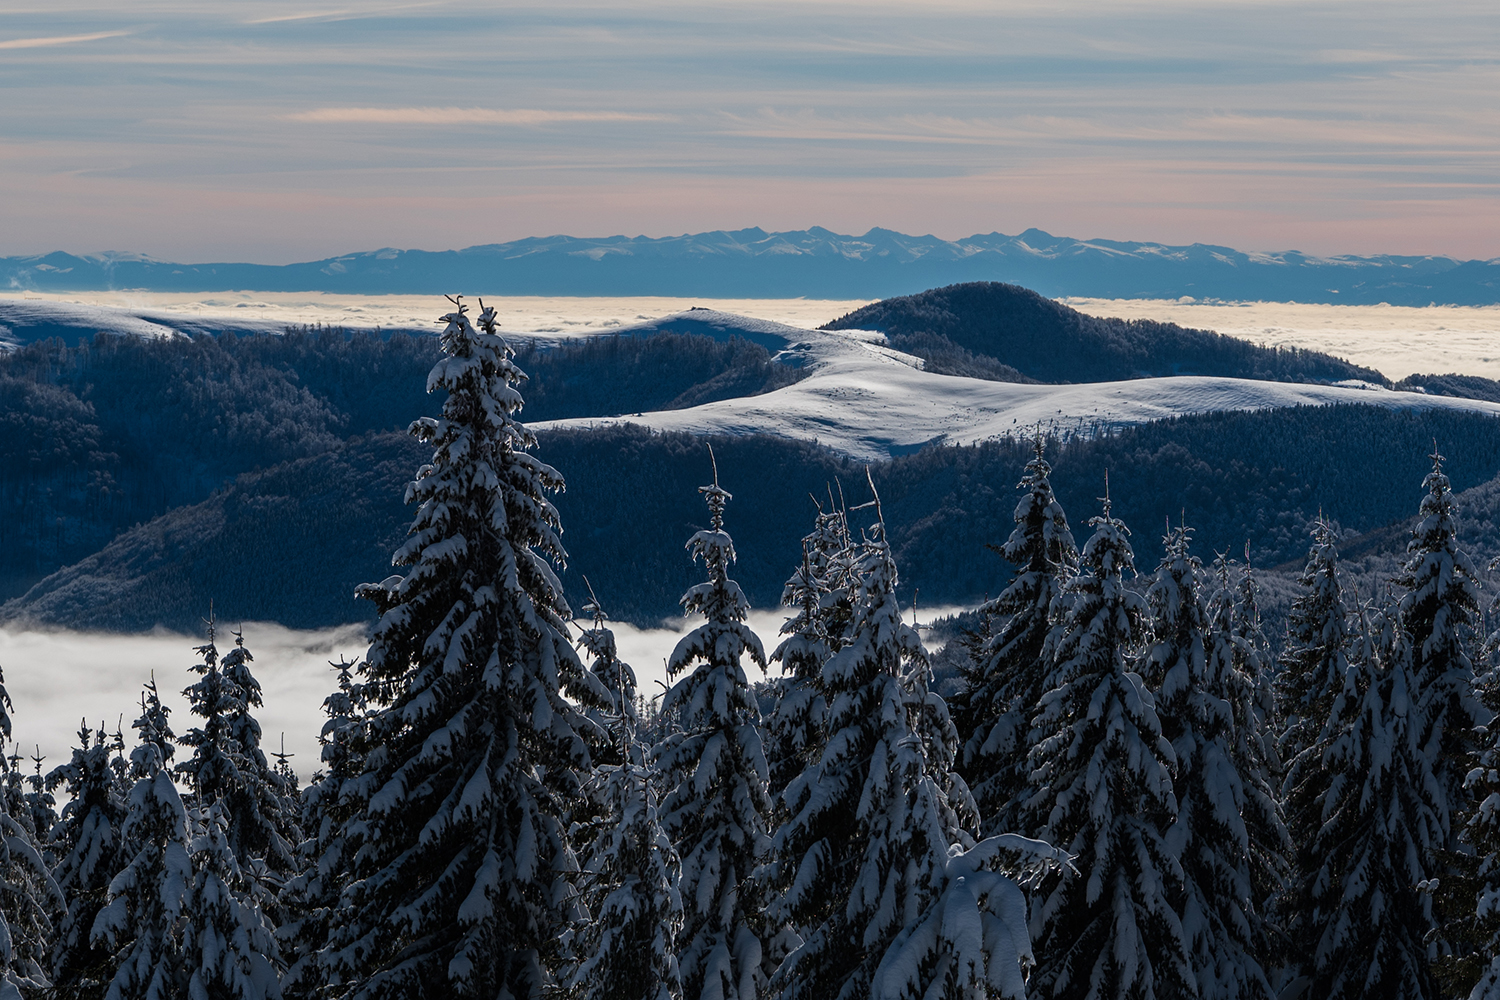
229,947
1483,827
1439,611
41,807
474,759
92,852
1313,676
1367,906
28,895
627,944
993,710
141,926
1193,665
1238,645
229,765
310,900
1315,656
1102,774
798,723
881,871
718,807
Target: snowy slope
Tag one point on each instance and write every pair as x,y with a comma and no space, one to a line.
870,402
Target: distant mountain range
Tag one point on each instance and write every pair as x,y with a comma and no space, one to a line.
814,263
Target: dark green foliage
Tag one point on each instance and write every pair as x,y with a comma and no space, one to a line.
98,437
1465,386
1050,342
665,371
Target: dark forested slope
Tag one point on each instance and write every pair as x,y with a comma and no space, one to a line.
116,430
290,543
1047,341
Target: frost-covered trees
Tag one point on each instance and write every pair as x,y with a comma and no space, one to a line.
310,899
92,852
718,808
626,947
229,946
1367,908
1001,691
821,591
1102,773
880,870
28,895
1193,665
229,765
474,759
1439,612
141,925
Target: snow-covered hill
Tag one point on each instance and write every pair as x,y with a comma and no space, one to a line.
870,402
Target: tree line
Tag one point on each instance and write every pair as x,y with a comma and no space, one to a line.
1130,795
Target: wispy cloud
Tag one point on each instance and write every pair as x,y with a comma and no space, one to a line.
50,40
464,116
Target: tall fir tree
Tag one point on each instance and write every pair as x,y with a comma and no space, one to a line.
626,947
310,899
820,590
1193,666
474,759
229,765
1369,911
141,925
1483,828
1440,614
1102,778
718,808
92,851
229,945
1239,645
29,897
1010,661
877,861
1313,675
1315,655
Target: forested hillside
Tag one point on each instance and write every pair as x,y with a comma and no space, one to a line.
1127,774
1256,477
1047,341
114,431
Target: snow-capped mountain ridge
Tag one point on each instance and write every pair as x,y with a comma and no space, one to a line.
867,401
814,262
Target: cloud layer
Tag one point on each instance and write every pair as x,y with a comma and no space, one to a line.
277,132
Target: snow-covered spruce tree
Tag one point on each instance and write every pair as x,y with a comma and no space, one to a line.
895,898
310,900
228,764
1315,656
40,807
1102,774
626,946
28,895
474,759
229,947
1367,910
1483,828
617,678
1010,664
1439,612
92,850
1191,664
1238,646
1312,677
798,724
717,810
141,926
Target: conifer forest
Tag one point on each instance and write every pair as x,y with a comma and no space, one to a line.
1137,788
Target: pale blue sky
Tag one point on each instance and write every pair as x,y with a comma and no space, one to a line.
265,131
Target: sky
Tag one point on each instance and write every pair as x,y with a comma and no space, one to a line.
275,132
